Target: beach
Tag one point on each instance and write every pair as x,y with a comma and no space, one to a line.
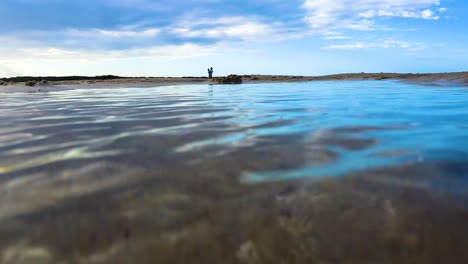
455,78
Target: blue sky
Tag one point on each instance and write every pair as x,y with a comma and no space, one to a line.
183,37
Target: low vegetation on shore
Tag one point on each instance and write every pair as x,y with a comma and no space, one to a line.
459,78
59,78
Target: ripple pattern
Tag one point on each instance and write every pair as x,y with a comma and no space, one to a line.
286,130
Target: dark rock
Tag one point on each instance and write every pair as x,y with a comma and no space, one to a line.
2,83
43,82
31,83
231,79
380,78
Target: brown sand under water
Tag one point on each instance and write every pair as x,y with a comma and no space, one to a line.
202,213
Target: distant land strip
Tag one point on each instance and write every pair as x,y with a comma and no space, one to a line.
455,78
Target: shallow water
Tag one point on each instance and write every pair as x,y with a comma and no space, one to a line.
360,125
230,143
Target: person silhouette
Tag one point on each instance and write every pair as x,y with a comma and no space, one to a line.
210,72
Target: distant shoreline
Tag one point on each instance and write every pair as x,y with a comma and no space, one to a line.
109,81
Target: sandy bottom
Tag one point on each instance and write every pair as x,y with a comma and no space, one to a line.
203,213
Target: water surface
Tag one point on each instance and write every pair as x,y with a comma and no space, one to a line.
350,126
192,149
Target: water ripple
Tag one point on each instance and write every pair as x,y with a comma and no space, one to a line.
362,125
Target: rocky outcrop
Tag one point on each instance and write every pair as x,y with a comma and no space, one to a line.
31,83
231,79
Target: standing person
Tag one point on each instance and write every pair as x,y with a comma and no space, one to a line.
210,72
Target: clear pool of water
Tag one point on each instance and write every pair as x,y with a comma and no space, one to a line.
326,172
334,128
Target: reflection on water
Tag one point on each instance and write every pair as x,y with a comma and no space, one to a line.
328,172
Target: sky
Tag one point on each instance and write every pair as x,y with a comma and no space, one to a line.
184,37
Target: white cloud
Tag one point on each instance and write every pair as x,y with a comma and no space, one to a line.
41,59
235,28
103,33
326,14
386,44
425,14
364,25
165,52
337,37
118,34
7,71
